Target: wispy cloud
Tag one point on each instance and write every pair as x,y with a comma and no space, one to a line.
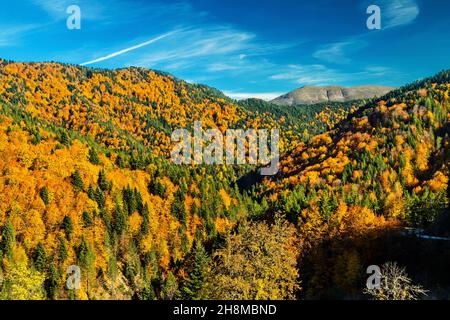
308,74
207,41
56,9
397,13
318,74
53,7
394,13
10,35
260,95
220,66
218,50
337,52
120,52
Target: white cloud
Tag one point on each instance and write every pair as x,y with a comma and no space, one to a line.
308,74
212,41
395,13
218,50
120,52
220,66
53,7
337,52
9,36
318,74
56,9
261,95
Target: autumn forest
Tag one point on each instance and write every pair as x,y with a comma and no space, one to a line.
86,182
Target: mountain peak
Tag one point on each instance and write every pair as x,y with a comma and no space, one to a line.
311,94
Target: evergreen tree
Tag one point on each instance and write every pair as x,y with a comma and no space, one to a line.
91,193
51,283
129,200
119,220
99,198
83,252
77,181
145,220
137,162
157,188
147,293
64,139
170,287
326,206
178,207
102,181
93,157
62,249
40,258
87,219
138,201
67,226
120,162
44,195
86,258
7,241
197,270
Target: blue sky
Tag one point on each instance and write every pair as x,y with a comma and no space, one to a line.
244,48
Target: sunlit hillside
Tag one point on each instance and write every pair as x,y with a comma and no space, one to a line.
86,180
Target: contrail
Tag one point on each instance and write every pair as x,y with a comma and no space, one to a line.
143,44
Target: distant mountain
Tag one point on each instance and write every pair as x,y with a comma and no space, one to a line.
318,94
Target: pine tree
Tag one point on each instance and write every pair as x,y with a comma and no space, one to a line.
51,283
62,250
67,226
40,258
7,242
77,181
64,139
44,195
102,181
83,252
91,193
86,258
87,219
119,220
138,200
197,269
147,293
170,287
145,220
93,157
157,188
99,198
120,162
129,200
327,206
137,162
178,207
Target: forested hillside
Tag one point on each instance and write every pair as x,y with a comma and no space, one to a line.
304,121
86,180
384,168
